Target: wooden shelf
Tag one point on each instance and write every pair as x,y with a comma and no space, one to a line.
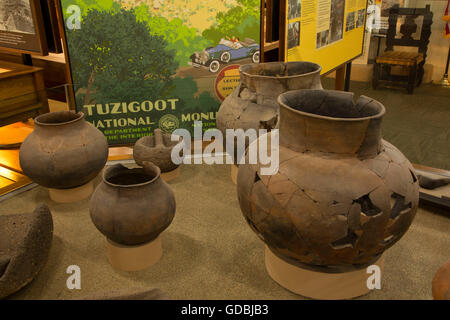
268,46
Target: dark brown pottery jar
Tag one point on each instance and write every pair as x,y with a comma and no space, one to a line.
64,151
156,149
132,206
253,104
342,195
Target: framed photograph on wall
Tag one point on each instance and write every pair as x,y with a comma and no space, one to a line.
22,27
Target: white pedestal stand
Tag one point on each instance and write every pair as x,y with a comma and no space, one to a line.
318,285
72,195
134,258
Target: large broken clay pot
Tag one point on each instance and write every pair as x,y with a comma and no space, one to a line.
253,105
25,241
342,195
157,149
132,206
64,151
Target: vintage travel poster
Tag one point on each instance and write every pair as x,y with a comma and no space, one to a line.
328,32
138,65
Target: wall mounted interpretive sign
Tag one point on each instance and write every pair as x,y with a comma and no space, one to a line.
21,27
327,32
141,65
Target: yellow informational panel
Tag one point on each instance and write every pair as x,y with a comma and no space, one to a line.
327,32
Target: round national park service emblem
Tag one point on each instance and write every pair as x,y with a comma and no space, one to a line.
168,123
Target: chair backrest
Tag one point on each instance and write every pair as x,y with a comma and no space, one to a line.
409,27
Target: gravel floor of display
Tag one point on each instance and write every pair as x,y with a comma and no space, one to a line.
209,250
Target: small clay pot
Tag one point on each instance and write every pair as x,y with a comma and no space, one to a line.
132,206
64,151
25,241
157,149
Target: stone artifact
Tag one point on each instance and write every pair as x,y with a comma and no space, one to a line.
64,151
132,206
25,241
135,294
157,149
431,183
342,195
441,283
253,105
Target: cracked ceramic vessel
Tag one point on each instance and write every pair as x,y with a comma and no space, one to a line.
132,206
25,242
342,195
64,151
157,149
253,105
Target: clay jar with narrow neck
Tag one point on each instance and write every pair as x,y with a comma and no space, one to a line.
341,195
132,206
253,104
64,151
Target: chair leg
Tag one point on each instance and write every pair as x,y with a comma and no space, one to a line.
412,79
420,73
376,75
387,73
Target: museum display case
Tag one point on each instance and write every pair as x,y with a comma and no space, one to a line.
120,122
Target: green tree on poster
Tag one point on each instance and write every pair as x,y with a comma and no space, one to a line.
184,40
115,68
242,21
86,5
190,102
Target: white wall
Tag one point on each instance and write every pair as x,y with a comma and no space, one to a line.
438,46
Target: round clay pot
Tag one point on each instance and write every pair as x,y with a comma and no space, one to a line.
64,151
342,195
132,206
156,149
253,105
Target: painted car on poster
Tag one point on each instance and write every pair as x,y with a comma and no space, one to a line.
226,51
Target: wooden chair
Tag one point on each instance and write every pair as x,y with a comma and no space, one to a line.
411,60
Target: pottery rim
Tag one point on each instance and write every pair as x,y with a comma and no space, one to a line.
156,171
281,101
76,117
242,70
